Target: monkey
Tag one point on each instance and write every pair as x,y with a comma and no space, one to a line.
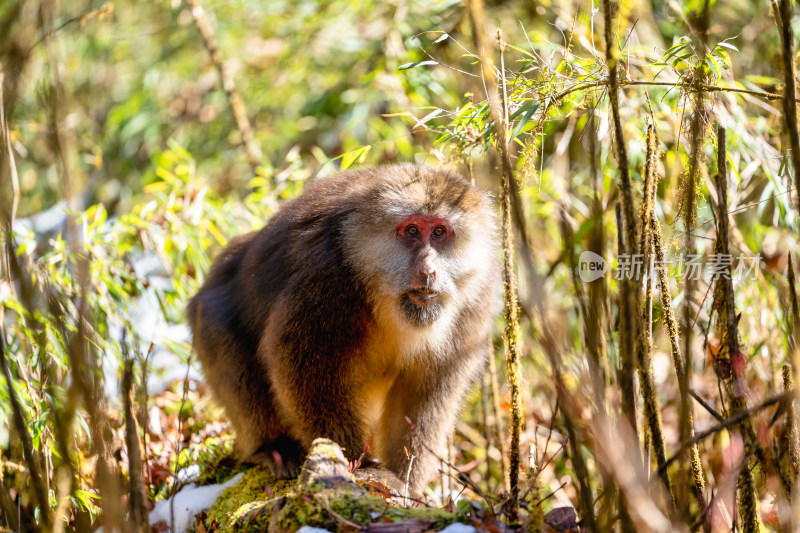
362,312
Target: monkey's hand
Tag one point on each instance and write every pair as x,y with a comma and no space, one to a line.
284,456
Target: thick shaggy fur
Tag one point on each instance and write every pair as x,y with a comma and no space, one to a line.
304,328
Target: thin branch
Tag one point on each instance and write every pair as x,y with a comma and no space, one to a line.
706,406
238,108
21,427
728,423
137,500
100,13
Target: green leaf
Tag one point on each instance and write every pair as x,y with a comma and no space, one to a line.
675,49
762,80
765,194
521,50
722,56
525,119
359,154
416,64
712,64
727,45
430,116
733,168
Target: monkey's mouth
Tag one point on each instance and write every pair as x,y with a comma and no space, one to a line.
421,306
422,297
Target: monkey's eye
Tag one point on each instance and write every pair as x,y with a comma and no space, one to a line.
412,230
439,231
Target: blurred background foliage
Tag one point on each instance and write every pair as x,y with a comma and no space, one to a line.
124,161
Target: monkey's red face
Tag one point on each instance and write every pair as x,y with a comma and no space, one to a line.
424,237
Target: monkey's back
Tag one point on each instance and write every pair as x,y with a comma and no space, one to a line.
297,253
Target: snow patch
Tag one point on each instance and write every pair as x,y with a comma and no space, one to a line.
458,527
189,501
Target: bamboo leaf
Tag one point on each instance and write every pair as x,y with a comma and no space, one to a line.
416,64
521,123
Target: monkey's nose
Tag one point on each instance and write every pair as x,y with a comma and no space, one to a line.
427,275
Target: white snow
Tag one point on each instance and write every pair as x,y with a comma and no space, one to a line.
458,527
189,501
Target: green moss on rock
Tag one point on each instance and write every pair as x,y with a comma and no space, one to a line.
256,486
326,496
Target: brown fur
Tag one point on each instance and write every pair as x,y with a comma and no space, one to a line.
300,333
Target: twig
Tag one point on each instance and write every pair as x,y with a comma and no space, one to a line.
706,406
632,329
462,477
790,450
137,500
339,518
644,360
499,430
552,493
728,423
547,461
100,13
511,314
581,86
408,479
251,147
178,441
21,428
487,431
143,408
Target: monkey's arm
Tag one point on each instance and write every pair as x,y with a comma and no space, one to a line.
431,400
316,400
311,344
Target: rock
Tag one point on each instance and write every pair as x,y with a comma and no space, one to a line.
326,464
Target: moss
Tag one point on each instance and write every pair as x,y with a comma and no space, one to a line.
256,486
349,504
534,501
327,448
245,507
323,497
214,457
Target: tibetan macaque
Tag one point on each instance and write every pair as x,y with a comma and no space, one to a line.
365,303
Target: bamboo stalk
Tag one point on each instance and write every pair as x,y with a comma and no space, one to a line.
784,9
790,455
626,228
652,413
597,291
625,333
626,191
690,184
695,464
725,368
511,334
637,344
